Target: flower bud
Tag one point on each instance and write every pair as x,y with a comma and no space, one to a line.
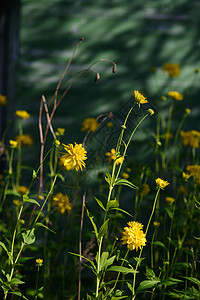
150,111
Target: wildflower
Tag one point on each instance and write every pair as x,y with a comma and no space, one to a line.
13,143
194,170
22,114
90,124
109,124
57,143
112,156
22,189
167,136
173,70
125,175
186,176
74,159
169,200
187,111
139,98
39,262
3,100
161,183
190,138
134,236
175,95
163,98
60,131
156,224
61,202
24,140
145,189
151,111
17,202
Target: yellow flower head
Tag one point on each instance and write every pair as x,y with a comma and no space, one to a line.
139,98
187,111
194,170
156,224
175,95
190,138
145,189
39,262
24,140
112,156
13,143
134,236
186,176
74,159
17,202
161,183
60,131
22,189
173,70
61,202
90,124
125,175
169,200
22,114
3,100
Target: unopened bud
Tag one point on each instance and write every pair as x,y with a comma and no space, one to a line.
97,78
123,126
150,111
187,111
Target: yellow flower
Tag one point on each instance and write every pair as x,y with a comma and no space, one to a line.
90,124
60,131
194,170
173,70
109,124
134,236
3,100
125,175
156,224
39,262
186,176
190,138
24,140
57,143
22,114
22,189
112,156
169,200
139,98
13,143
187,111
74,159
145,189
61,202
17,202
175,95
161,183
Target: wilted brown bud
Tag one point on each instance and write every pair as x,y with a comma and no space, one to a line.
81,39
114,68
97,78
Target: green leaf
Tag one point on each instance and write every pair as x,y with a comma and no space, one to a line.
29,236
122,269
104,262
100,203
150,273
112,204
170,281
61,177
180,266
158,243
103,229
122,181
90,261
5,248
16,281
129,286
169,211
147,284
93,223
42,225
108,178
13,193
17,293
117,208
193,280
26,199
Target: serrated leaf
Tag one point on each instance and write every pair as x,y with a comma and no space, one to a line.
147,284
42,225
122,181
100,203
103,229
112,204
122,269
29,236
